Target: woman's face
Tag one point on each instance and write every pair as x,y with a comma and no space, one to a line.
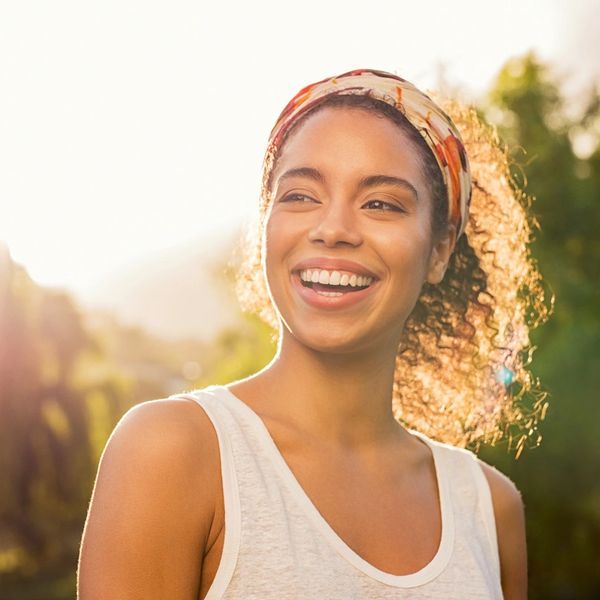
348,241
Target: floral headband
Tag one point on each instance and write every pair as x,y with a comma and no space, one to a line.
438,131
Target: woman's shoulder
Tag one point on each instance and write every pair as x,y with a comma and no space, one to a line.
165,432
508,516
156,492
168,444
506,497
505,494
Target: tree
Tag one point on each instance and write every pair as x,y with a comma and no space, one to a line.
43,426
559,479
66,377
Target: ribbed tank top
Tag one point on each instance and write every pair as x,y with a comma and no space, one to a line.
278,546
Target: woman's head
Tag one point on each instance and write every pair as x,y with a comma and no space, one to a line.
349,196
467,332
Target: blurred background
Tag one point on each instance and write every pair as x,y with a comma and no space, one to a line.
131,138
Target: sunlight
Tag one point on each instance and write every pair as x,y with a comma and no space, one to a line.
114,151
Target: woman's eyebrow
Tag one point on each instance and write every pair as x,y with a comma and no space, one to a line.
374,180
308,172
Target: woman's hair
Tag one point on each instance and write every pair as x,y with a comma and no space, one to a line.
462,365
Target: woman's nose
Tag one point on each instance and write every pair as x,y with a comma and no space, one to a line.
336,225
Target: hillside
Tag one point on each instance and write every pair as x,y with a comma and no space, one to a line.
181,292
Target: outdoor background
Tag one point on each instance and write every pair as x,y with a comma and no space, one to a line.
131,136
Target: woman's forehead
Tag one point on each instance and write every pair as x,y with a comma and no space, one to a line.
348,138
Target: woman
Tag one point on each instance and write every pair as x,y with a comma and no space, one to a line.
397,311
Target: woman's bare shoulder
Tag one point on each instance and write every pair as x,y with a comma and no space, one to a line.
174,436
510,527
505,494
167,442
153,503
173,425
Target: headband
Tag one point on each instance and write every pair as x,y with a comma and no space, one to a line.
434,125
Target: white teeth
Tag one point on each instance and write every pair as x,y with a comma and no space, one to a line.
330,294
335,278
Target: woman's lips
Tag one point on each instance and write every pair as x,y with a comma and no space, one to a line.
333,264
318,297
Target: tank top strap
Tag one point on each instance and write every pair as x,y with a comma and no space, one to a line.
228,434
472,497
486,508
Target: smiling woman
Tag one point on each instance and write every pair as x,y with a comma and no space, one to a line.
470,330
339,470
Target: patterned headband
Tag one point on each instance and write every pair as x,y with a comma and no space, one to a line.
436,128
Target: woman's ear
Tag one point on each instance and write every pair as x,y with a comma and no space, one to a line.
440,255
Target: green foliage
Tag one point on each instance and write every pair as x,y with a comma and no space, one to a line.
239,352
46,469
540,128
65,380
559,480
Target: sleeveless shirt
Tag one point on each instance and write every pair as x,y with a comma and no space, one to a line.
278,546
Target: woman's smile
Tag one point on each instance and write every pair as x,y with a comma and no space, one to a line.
331,283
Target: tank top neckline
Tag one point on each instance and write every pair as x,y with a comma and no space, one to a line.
417,578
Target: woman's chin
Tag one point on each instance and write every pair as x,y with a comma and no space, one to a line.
327,341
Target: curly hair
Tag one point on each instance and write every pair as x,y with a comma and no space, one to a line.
462,369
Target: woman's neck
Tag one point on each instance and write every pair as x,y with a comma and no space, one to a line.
346,398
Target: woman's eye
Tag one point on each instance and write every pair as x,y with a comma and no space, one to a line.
301,198
383,206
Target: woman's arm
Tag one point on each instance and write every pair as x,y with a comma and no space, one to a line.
152,507
510,527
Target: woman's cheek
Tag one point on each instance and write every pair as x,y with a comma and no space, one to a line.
284,233
274,250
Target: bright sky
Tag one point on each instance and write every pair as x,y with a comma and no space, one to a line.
130,126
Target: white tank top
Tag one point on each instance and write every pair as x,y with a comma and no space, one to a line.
278,546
